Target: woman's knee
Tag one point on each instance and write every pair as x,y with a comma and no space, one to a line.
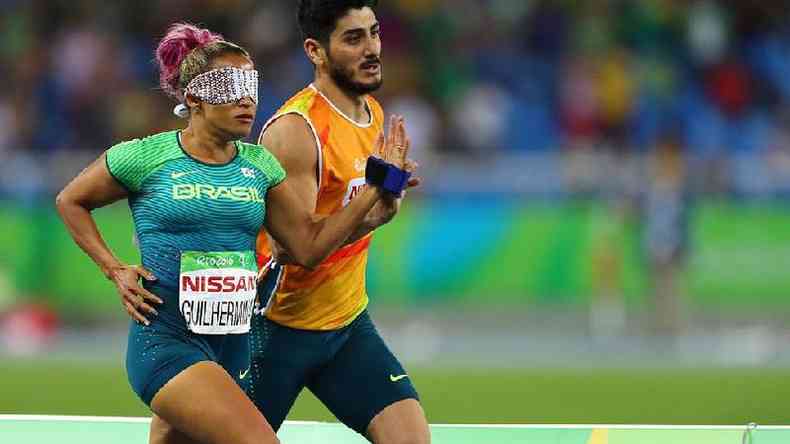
163,433
262,439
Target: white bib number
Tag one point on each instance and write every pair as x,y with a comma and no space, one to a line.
217,291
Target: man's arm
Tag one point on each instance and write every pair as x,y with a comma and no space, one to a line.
291,141
381,213
292,222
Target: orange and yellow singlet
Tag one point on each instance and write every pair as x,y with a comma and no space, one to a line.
332,295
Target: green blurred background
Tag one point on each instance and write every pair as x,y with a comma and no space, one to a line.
602,236
460,251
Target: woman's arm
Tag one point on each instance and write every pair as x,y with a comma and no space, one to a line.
93,188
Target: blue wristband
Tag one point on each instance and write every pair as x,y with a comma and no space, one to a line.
386,176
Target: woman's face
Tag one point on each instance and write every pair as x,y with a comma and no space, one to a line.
233,120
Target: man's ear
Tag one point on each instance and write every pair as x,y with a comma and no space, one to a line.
315,52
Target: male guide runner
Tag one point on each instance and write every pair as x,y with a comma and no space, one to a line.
316,331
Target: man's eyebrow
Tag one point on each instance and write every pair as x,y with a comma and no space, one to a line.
354,31
359,30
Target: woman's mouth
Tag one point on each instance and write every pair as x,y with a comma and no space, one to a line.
246,118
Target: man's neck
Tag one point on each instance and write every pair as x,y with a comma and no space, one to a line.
353,106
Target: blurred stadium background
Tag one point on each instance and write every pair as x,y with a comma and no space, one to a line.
603,235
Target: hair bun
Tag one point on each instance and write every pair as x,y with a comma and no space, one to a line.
180,39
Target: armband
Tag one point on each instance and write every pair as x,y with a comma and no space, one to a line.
386,176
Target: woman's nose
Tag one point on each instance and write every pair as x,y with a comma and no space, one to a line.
246,101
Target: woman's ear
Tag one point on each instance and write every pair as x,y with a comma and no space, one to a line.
193,103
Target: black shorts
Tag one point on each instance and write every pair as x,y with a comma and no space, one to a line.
351,370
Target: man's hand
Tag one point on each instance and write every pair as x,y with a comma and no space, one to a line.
388,206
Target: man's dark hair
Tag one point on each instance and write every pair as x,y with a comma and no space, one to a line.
318,18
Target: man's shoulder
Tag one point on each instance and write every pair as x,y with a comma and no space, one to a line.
376,109
290,138
302,102
373,102
299,113
287,126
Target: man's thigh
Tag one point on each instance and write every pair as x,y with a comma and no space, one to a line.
280,358
362,378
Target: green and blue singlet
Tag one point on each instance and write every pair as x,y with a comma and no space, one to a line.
196,225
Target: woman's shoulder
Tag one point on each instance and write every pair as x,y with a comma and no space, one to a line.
132,161
157,142
262,159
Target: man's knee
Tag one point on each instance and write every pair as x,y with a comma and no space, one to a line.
413,437
404,437
400,423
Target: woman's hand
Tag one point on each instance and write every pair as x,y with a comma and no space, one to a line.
134,298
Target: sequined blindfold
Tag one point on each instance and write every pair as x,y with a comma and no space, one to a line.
225,85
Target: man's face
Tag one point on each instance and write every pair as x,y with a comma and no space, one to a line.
354,53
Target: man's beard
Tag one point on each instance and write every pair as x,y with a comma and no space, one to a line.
344,78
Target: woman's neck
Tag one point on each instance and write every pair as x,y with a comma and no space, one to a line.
207,146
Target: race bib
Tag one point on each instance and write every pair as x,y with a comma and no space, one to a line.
217,291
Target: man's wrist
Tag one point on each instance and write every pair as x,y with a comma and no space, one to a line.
386,176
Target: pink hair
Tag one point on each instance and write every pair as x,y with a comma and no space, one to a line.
181,38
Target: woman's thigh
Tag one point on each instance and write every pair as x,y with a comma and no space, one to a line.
205,404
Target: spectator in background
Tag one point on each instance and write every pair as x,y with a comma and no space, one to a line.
501,56
665,212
